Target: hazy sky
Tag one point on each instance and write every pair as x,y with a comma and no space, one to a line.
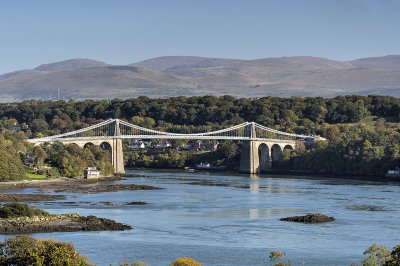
34,32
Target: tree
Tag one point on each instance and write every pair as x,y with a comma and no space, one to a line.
377,255
333,133
394,259
11,167
146,122
40,155
39,126
10,123
178,143
228,151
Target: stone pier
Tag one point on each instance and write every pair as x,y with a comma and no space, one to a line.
258,156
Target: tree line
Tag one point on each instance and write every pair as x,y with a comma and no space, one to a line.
189,114
353,148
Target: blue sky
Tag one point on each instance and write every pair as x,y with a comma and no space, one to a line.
123,32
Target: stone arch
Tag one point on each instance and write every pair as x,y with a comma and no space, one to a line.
288,147
73,143
264,158
276,152
106,146
88,144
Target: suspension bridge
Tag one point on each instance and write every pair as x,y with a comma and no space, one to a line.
260,145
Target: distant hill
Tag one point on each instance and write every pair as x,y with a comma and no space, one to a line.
22,73
166,63
98,82
71,64
387,62
188,75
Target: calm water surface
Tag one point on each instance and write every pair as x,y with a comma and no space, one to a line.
232,219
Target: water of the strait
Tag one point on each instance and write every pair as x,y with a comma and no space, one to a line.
232,219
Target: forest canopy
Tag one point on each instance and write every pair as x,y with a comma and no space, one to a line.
189,114
363,132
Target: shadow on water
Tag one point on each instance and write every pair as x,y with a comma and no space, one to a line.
245,213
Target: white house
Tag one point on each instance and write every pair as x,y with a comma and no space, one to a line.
163,144
137,144
91,173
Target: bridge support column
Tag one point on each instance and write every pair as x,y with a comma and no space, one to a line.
117,156
249,161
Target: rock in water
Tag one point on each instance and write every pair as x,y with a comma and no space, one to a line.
309,218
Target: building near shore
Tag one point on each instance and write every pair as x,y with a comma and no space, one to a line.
393,173
91,173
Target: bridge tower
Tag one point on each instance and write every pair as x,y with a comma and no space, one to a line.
117,154
249,161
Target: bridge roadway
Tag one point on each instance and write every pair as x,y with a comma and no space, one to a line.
257,154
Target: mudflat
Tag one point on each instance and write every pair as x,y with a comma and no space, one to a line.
29,197
71,185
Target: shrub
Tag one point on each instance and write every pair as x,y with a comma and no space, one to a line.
185,262
11,210
41,172
53,172
26,250
276,255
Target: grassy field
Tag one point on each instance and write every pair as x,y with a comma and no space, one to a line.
30,173
370,121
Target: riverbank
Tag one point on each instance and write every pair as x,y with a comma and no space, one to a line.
71,185
59,223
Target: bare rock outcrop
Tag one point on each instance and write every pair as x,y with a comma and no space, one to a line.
309,218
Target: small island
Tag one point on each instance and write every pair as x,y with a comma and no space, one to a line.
19,218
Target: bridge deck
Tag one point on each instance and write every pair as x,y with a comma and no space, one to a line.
157,137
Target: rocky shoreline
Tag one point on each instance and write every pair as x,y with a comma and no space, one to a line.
64,222
29,197
59,223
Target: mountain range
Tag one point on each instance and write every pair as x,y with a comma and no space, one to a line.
189,75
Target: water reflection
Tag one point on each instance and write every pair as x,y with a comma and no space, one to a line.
244,213
254,184
253,214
